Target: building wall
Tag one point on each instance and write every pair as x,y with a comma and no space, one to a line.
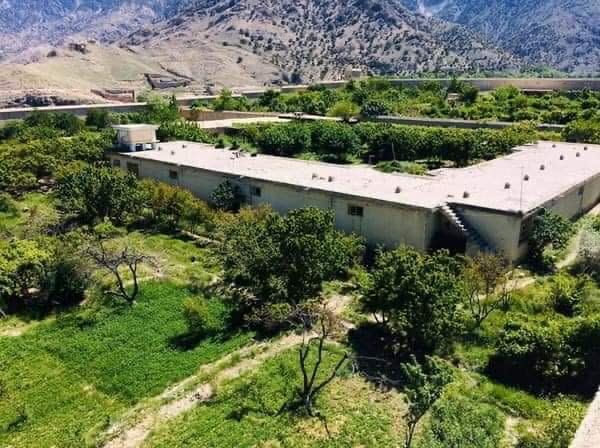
381,224
500,230
137,135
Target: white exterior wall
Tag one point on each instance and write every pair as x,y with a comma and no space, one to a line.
500,230
381,224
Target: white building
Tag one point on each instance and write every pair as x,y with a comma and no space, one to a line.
488,206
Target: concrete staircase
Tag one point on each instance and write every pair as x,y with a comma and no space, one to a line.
465,228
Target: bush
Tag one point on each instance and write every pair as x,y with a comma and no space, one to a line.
567,294
285,140
457,421
374,107
583,131
66,281
7,204
227,197
558,426
333,141
561,354
344,109
550,231
198,316
183,130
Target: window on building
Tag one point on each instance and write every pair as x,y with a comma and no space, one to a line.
116,163
133,169
139,146
173,174
355,210
255,191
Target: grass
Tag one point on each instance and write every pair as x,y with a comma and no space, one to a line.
64,380
30,206
244,413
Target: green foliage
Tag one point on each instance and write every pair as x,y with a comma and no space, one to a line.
183,130
549,231
7,204
344,109
160,110
374,107
98,118
277,261
92,193
416,296
69,376
226,101
284,140
23,265
558,426
228,197
423,386
68,123
334,142
567,294
204,317
458,421
469,94
561,354
395,166
583,131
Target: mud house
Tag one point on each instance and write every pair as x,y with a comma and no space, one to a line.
489,206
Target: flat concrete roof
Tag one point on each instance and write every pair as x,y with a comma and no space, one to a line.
134,126
484,182
231,122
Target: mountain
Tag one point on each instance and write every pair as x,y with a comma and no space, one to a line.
563,34
316,39
29,24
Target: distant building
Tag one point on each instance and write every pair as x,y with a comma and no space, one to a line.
353,73
485,207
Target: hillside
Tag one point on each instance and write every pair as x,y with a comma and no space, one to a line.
563,34
316,39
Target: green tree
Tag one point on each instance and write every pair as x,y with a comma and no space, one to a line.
416,297
227,197
276,262
92,193
423,385
344,109
550,230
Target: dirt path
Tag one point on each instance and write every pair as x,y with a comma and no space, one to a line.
571,256
135,427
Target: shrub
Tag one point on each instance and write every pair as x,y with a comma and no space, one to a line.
558,426
183,130
7,204
333,141
374,107
344,109
549,231
198,316
66,281
561,354
285,140
566,294
457,421
583,131
227,197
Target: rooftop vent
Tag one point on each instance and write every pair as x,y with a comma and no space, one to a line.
562,157
398,190
330,179
172,152
160,148
184,146
542,167
507,185
526,177
254,154
554,145
466,194
578,154
585,148
315,176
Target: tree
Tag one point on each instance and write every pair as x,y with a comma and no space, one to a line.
423,385
549,231
115,257
344,109
317,326
486,281
274,262
416,297
92,193
23,266
227,197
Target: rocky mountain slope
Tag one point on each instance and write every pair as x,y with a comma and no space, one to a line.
316,39
563,34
